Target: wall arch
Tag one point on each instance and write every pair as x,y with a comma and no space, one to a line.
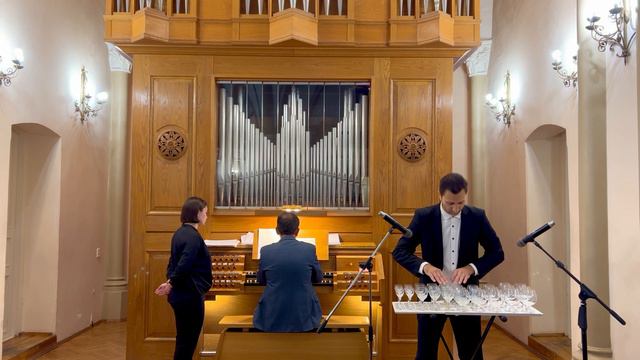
547,198
34,228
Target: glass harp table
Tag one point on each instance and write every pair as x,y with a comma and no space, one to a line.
451,309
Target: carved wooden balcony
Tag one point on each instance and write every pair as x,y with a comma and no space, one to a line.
143,21
293,25
353,23
434,22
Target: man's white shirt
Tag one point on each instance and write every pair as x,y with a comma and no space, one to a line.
450,243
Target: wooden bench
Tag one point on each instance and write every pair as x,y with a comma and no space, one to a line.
245,322
334,345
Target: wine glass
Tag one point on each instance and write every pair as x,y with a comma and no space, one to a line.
477,297
491,294
507,294
461,296
399,289
447,293
409,290
421,292
473,289
435,292
528,296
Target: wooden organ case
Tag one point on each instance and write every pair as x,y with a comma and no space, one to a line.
182,50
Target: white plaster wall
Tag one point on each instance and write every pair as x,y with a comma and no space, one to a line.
623,191
58,37
461,127
524,35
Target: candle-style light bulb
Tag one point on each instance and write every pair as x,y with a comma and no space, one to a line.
102,97
18,55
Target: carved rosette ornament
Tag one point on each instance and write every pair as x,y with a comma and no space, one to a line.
172,144
412,145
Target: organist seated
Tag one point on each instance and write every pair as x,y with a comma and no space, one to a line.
288,268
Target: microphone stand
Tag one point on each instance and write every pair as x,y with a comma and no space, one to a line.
584,295
365,265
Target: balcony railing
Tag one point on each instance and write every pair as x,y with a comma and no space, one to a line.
167,7
290,22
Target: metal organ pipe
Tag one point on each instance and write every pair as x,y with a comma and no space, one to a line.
255,170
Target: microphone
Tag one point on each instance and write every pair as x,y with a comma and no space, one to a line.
537,232
395,224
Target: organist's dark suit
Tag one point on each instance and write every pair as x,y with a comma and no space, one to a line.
289,302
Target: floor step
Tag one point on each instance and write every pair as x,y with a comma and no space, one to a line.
28,345
551,346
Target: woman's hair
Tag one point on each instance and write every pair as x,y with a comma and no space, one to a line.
192,206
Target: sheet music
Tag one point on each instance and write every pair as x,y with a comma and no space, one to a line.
334,239
233,243
247,239
270,236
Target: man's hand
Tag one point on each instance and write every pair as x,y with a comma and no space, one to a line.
163,289
462,275
436,275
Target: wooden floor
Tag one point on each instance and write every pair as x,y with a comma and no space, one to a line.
500,346
107,341
552,346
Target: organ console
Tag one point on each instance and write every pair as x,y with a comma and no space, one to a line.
234,270
235,290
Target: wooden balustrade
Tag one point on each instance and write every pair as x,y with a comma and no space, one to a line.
407,23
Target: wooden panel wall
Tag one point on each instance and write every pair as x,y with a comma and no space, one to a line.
412,183
178,91
172,108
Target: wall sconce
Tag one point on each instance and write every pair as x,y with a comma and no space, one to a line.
502,108
85,107
10,72
568,78
618,38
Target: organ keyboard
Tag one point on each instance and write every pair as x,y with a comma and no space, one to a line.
234,270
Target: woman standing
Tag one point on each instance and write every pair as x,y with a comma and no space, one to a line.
189,277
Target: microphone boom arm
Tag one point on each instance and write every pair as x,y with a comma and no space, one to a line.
354,280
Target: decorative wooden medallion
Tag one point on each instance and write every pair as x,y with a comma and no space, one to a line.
172,144
412,145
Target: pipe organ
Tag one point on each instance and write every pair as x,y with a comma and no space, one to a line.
308,147
361,81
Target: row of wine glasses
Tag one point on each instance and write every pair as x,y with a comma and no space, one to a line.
503,295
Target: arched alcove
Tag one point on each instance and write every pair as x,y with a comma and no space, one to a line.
33,230
547,199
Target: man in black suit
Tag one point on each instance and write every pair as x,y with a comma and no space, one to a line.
289,302
449,234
